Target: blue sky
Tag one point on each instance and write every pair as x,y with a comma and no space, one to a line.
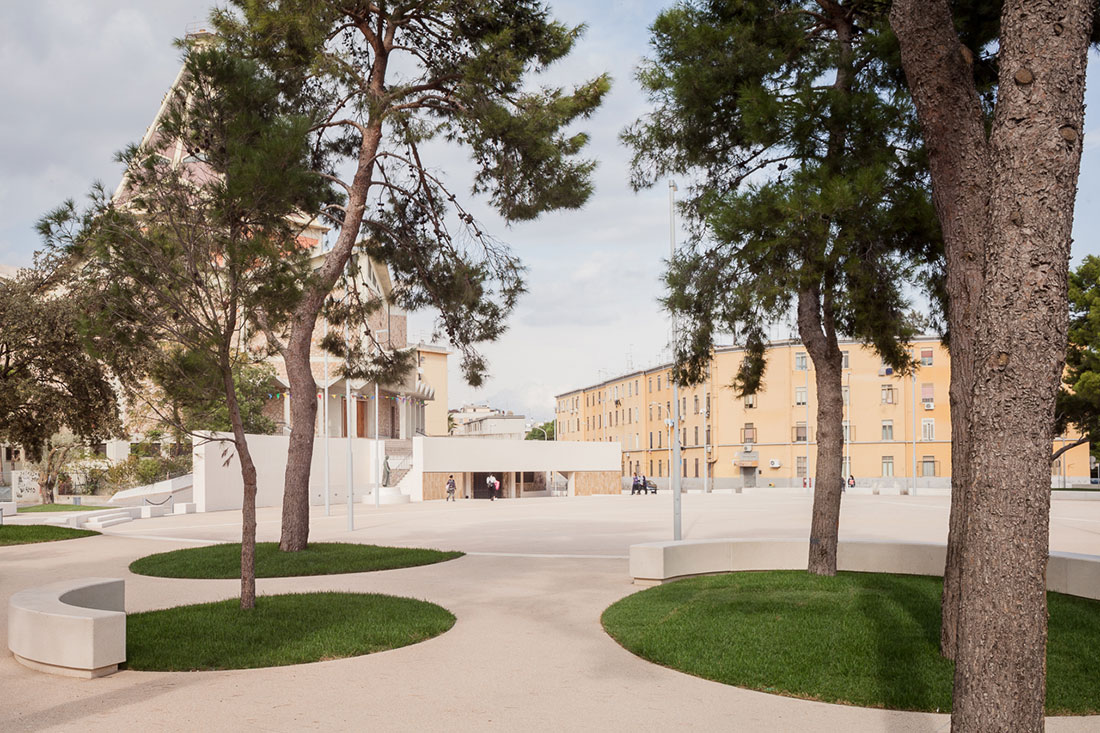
84,79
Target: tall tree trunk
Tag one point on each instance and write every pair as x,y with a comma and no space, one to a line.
1031,164
816,328
248,503
942,84
1035,145
303,387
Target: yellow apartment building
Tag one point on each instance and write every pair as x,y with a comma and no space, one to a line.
897,428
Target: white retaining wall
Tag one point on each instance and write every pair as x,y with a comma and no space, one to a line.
217,478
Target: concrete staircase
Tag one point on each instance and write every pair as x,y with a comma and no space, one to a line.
399,453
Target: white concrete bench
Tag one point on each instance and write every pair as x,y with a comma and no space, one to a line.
75,627
654,563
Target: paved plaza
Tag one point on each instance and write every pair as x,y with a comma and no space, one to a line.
527,652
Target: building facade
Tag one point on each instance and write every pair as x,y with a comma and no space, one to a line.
897,428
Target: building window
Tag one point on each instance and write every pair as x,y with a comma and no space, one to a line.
928,395
844,396
927,466
658,438
696,468
651,468
926,357
636,387
636,414
748,433
708,435
844,360
629,389
696,435
660,468
651,389
708,404
800,395
887,466
684,467
684,406
651,412
658,412
800,361
651,441
889,394
928,428
800,466
887,429
696,404
800,432
658,383
750,401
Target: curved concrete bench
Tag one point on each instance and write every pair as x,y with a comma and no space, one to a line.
73,627
654,563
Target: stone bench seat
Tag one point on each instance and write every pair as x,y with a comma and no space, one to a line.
654,563
74,627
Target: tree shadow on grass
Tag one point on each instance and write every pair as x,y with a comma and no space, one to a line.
902,616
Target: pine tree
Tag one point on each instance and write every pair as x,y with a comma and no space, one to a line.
381,81
189,262
810,194
1004,177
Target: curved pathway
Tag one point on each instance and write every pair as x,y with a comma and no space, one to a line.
527,652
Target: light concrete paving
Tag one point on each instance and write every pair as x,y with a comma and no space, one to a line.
527,652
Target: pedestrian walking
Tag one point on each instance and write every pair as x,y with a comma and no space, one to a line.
635,486
491,484
450,488
496,487
851,482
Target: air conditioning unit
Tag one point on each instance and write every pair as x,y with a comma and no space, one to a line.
929,405
885,371
774,463
748,447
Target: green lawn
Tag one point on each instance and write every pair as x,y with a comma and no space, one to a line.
319,558
25,534
284,629
59,508
859,638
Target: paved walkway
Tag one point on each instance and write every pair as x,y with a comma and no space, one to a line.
527,652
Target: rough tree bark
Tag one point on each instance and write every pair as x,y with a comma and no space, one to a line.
1034,157
818,333
950,114
303,387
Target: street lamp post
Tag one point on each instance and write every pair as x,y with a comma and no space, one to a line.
675,473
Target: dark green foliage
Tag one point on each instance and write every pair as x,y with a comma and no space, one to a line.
409,74
25,534
204,410
285,629
319,558
190,260
808,174
857,638
542,432
1078,403
47,380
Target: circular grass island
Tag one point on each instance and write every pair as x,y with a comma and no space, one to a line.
867,639
294,628
25,534
319,558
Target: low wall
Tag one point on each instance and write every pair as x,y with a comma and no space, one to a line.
217,472
654,563
75,628
591,483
